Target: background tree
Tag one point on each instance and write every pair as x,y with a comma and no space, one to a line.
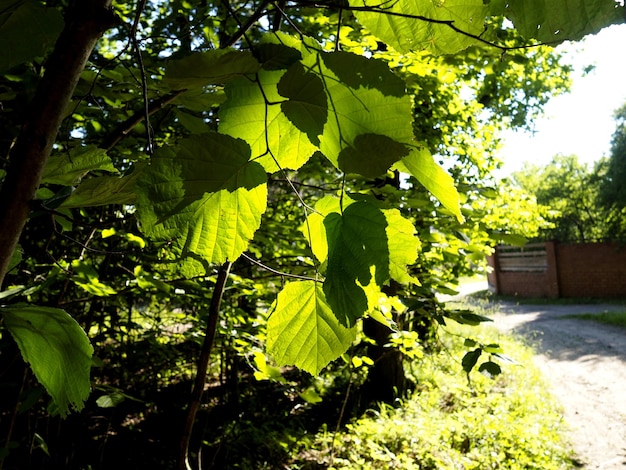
613,194
570,191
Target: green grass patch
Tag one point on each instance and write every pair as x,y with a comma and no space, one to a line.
490,296
449,422
607,318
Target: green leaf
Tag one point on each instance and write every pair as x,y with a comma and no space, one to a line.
86,277
306,107
554,21
311,396
314,230
303,330
466,317
264,371
16,259
492,348
403,246
27,30
104,190
435,179
68,169
275,141
469,360
57,350
111,400
490,369
356,71
431,27
366,112
204,195
357,245
371,155
194,124
276,56
209,68
200,100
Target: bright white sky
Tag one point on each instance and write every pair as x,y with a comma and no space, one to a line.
580,122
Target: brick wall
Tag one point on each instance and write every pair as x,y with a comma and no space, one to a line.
573,270
592,269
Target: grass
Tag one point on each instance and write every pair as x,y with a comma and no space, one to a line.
451,422
607,318
486,295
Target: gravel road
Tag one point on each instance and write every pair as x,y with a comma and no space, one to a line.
585,363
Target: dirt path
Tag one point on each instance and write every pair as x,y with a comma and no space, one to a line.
585,363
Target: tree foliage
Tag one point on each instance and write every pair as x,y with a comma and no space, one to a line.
611,173
571,196
340,146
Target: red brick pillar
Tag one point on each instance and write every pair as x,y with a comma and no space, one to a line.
493,277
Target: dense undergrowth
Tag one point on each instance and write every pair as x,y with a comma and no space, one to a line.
452,422
290,420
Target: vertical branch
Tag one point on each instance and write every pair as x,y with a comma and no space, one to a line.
144,82
203,364
86,21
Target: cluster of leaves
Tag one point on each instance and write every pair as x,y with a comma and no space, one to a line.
329,155
511,422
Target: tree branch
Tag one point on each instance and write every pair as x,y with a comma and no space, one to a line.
203,365
124,128
86,21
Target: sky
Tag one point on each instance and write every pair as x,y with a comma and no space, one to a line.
580,122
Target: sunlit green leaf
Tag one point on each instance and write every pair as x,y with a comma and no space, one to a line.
275,56
204,195
303,331
86,277
57,350
274,140
307,107
403,246
217,66
357,245
314,230
69,168
365,109
371,155
310,395
103,190
554,21
422,166
438,26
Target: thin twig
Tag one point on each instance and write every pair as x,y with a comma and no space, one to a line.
203,364
275,271
243,27
144,80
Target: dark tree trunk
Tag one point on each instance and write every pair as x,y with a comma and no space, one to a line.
386,380
85,22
